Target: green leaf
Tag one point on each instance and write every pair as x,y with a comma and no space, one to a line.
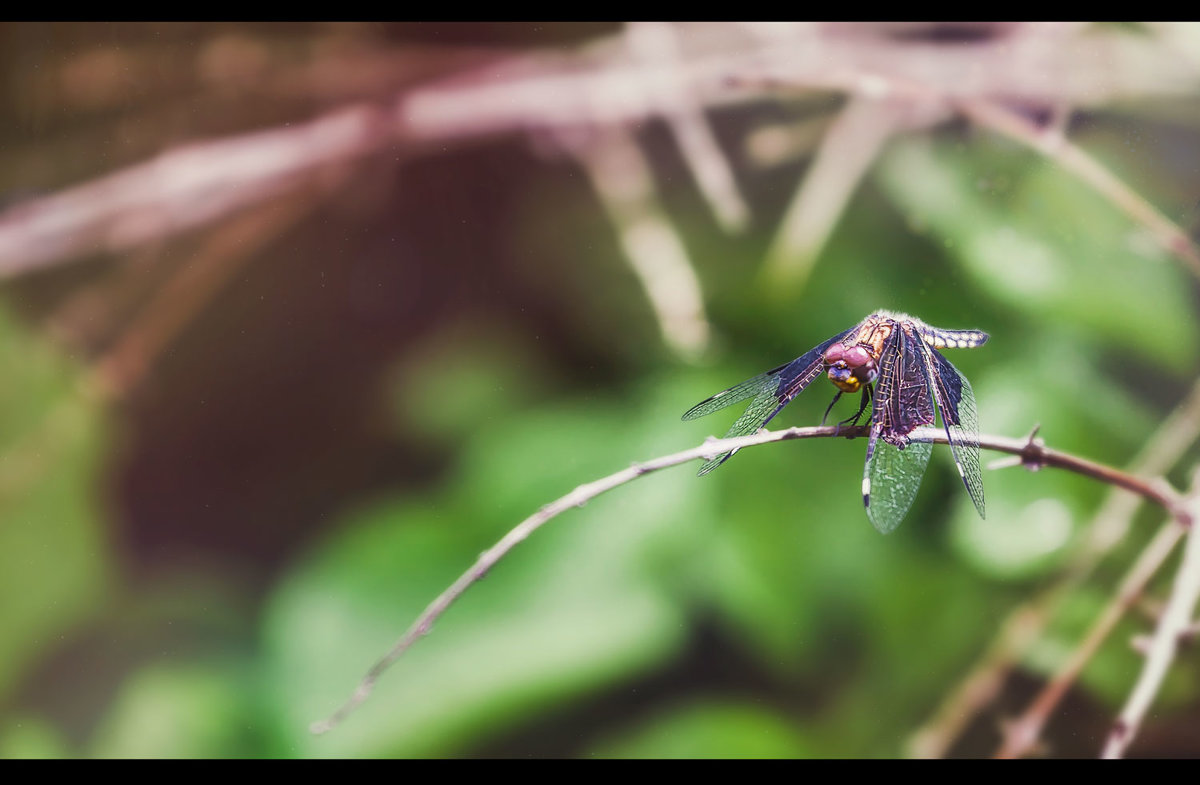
54,568
709,729
179,710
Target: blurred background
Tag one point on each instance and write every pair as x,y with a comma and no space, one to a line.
300,318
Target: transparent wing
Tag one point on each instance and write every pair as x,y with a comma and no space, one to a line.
891,479
956,401
737,393
764,406
903,401
769,393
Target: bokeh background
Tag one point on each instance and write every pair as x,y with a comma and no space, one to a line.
298,319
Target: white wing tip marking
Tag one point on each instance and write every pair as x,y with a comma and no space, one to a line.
866,488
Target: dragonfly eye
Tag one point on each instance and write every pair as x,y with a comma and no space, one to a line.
858,357
834,353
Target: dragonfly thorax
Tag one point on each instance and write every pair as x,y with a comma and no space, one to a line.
850,367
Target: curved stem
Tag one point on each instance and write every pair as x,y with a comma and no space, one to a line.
1032,453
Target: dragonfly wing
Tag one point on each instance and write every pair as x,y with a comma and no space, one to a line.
764,406
737,393
891,478
956,401
769,393
903,401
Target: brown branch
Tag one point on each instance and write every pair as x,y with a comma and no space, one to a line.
658,43
1021,735
849,147
658,255
181,189
1107,529
1033,454
1172,628
194,285
1070,157
599,87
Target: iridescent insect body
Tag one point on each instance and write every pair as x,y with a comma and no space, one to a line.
893,359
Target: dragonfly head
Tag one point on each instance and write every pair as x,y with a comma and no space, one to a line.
850,367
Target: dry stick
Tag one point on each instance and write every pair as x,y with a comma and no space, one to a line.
1174,625
1033,454
985,681
186,187
1051,143
1056,147
194,285
183,188
1108,528
1021,735
655,250
1175,436
850,145
658,44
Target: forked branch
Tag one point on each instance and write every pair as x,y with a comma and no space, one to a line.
1030,451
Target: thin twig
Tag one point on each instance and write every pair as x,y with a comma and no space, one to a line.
181,189
1070,157
598,87
1024,623
1021,735
657,43
624,183
849,147
194,285
1174,625
1033,453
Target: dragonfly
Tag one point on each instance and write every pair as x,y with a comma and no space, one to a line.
894,360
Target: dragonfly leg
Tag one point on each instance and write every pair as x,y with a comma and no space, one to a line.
830,408
862,407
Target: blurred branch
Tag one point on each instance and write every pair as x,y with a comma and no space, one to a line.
1031,452
1023,625
1055,146
180,190
1021,735
623,181
194,284
1172,629
598,87
849,147
658,43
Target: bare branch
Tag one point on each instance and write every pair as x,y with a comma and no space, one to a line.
1056,147
181,189
847,151
1041,65
194,285
1172,628
1021,735
658,43
1107,529
1033,455
622,179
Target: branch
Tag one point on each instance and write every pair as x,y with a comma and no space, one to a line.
598,87
1055,146
1031,453
1107,529
1174,626
1021,736
658,255
849,147
182,189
